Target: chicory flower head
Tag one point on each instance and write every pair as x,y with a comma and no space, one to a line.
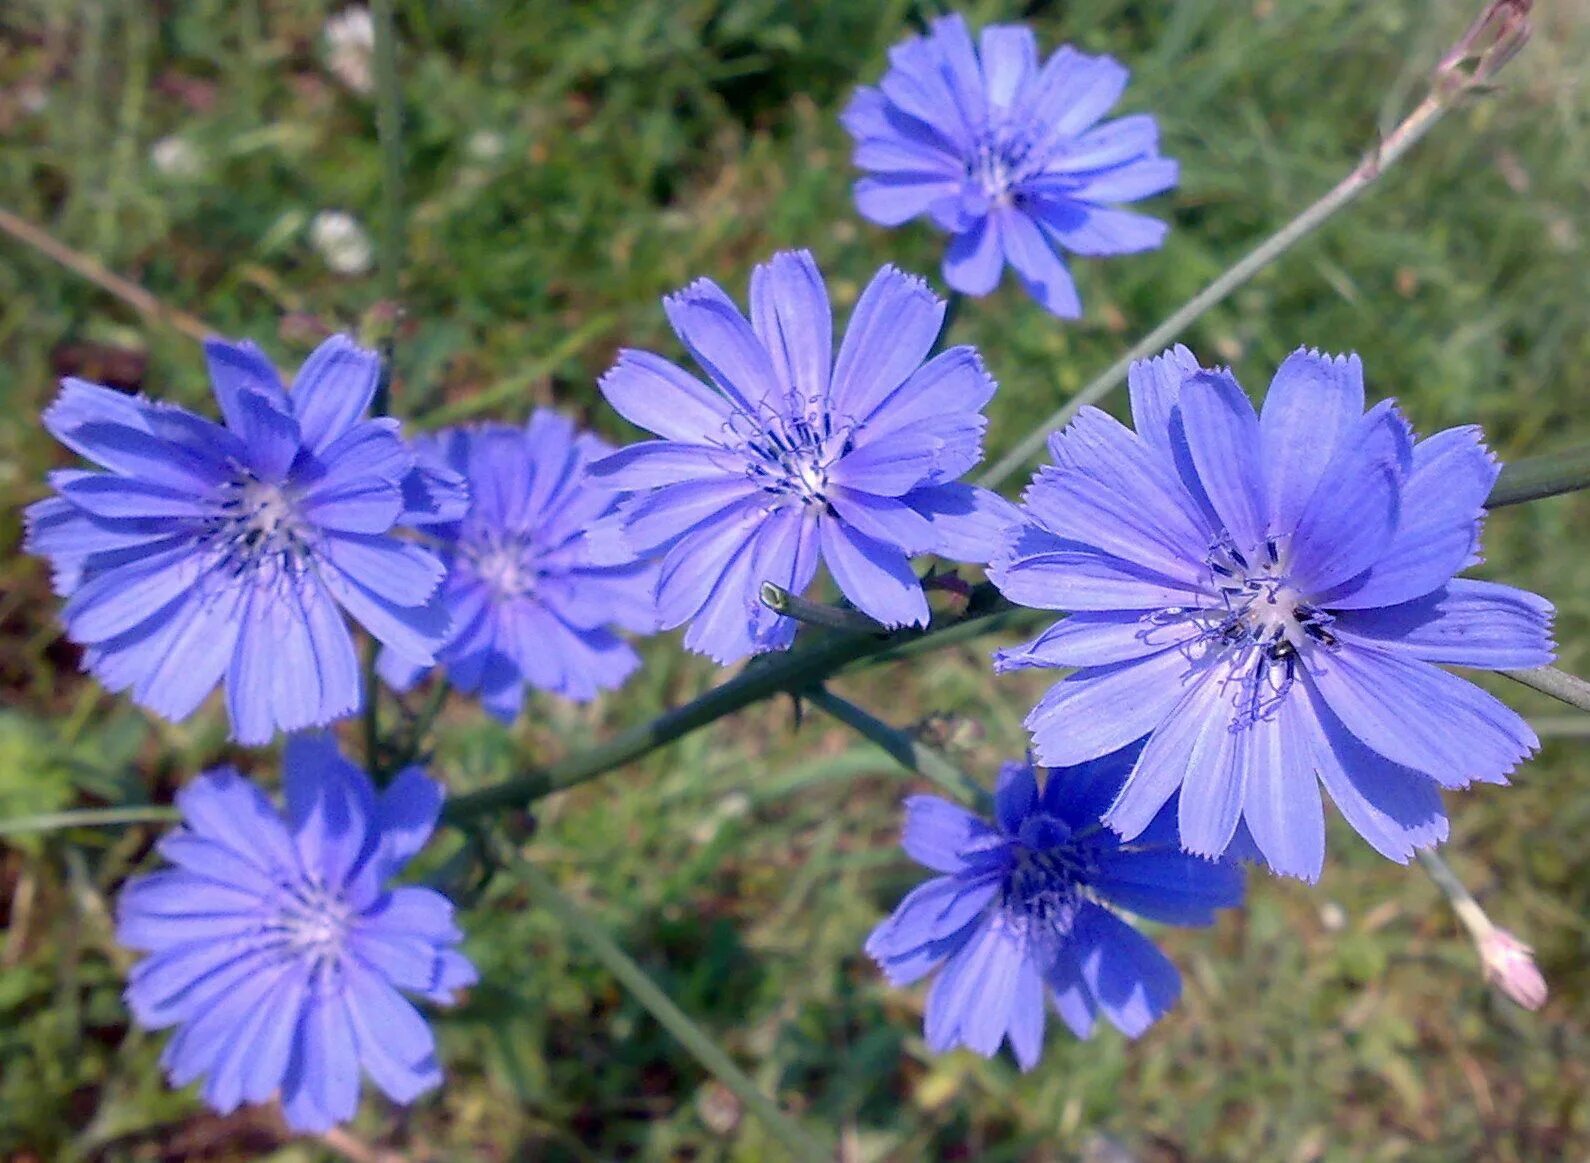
1266,597
529,607
792,455
277,947
211,553
1007,154
1018,913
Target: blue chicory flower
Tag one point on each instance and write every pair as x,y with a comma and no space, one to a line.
529,605
1018,911
1007,154
1266,598
793,455
209,553
277,948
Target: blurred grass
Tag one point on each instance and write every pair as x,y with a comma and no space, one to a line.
568,164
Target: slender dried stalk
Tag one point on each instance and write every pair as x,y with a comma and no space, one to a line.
1493,38
81,264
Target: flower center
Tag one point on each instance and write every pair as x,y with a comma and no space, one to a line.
992,172
1262,625
507,567
793,458
1008,153
258,522
1044,889
314,922
1260,607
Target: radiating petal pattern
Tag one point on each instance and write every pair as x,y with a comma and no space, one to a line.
792,454
210,555
1020,913
1005,151
275,948
1267,598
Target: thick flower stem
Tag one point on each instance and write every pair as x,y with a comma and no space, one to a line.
1546,475
1449,84
906,751
781,601
791,673
1559,684
796,1141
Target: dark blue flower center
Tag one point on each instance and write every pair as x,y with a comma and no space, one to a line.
793,457
1043,890
1009,152
1263,624
258,525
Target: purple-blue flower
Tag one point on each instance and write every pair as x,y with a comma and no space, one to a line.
1006,153
793,455
529,606
211,553
277,948
1267,597
1017,918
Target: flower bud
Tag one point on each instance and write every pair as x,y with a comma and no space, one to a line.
1510,965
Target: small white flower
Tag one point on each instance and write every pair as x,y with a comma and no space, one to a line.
176,157
484,146
342,242
350,45
34,99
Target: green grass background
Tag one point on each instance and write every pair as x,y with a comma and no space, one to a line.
567,164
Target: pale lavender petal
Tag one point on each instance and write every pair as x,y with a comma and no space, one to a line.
333,389
661,397
239,371
1223,437
1099,709
1349,521
1315,401
720,339
976,259
890,333
1464,623
791,317
873,575
1042,271
1419,716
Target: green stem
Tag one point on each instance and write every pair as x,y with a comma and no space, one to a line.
905,750
781,601
1468,910
1559,684
671,1017
389,130
89,818
1444,93
1546,475
423,721
797,671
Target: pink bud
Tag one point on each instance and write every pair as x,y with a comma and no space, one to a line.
1510,964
